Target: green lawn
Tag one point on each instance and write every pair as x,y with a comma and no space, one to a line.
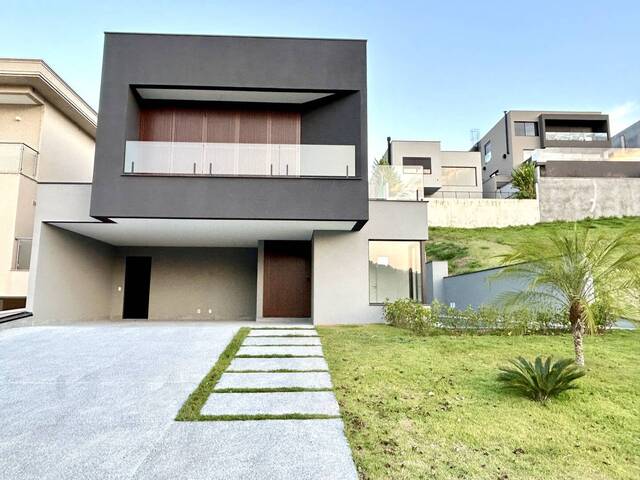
430,407
469,249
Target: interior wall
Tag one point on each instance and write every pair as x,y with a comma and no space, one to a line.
194,283
73,278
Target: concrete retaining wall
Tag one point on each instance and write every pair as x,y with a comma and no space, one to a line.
482,212
578,198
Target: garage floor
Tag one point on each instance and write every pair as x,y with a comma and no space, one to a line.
99,402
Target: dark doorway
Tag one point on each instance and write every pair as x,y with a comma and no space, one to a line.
287,279
137,278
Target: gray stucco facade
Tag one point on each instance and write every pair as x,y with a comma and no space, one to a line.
234,63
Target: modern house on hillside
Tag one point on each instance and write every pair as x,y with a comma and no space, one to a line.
47,134
443,174
230,182
517,134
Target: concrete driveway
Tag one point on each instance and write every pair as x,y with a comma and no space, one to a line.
99,402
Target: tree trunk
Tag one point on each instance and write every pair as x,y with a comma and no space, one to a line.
577,329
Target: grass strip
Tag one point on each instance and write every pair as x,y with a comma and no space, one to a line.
275,355
286,416
282,328
280,370
284,345
290,335
190,410
271,390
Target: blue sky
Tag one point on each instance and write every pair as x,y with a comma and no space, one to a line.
436,70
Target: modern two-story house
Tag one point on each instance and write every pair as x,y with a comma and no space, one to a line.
229,183
443,173
513,139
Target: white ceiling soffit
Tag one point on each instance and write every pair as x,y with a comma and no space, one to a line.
255,96
163,232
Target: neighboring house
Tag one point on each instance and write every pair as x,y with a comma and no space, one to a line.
230,182
517,134
47,134
627,138
444,174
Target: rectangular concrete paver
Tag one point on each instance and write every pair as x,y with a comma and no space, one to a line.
282,350
281,341
252,450
274,380
276,403
283,333
270,364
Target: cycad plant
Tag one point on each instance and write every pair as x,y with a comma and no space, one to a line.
540,380
579,273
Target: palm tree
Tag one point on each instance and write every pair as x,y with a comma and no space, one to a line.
578,272
524,179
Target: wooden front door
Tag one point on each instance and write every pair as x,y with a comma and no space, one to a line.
287,279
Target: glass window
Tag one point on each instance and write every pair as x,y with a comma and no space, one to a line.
459,176
410,164
526,129
487,152
395,271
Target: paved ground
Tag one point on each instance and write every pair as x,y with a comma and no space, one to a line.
98,402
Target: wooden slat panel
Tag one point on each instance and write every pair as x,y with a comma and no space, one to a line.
222,126
188,125
254,127
156,124
285,127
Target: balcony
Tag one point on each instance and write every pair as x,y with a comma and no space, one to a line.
238,159
389,182
576,136
18,158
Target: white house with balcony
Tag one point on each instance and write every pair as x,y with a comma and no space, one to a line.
47,133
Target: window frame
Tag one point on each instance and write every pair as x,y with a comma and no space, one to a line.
524,124
485,152
422,267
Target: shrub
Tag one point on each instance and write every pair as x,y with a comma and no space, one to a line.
540,380
409,314
406,313
490,319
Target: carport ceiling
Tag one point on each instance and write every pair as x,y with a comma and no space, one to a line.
163,232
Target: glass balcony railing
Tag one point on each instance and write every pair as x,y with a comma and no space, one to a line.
582,154
18,158
239,159
576,136
388,182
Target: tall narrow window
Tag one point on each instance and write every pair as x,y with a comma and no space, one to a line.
395,271
487,152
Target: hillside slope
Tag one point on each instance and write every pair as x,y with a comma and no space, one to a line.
470,249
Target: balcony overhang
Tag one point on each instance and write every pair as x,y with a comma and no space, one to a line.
169,232
188,94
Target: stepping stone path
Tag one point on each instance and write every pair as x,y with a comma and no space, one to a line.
277,373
